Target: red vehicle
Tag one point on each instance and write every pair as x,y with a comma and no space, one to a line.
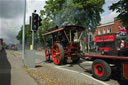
62,44
106,42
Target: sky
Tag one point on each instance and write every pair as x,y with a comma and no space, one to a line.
12,11
108,15
11,16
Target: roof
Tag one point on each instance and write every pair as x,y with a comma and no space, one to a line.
106,24
70,27
74,27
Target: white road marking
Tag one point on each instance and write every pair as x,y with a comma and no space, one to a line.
89,62
59,67
66,69
94,79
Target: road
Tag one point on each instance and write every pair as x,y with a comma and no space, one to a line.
83,69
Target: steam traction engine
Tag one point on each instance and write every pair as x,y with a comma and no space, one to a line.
63,44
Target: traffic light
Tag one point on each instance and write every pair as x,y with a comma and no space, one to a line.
35,21
39,21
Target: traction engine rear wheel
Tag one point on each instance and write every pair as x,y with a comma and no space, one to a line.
57,54
101,69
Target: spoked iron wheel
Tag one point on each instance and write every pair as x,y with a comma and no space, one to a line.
101,69
58,54
47,55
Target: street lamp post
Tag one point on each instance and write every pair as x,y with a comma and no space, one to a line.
23,32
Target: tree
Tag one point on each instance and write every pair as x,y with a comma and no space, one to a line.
78,12
122,8
19,36
27,35
46,24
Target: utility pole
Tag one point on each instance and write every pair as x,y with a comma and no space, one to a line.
23,32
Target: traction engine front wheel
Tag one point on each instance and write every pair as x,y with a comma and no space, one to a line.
58,54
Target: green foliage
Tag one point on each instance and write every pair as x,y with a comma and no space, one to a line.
73,12
85,13
27,35
19,36
122,8
53,7
43,28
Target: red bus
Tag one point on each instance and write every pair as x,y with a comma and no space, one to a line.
106,42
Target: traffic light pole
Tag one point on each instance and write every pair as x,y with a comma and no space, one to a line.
32,39
32,34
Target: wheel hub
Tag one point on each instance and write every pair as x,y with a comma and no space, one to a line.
100,69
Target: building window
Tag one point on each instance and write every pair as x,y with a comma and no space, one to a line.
109,30
104,31
99,32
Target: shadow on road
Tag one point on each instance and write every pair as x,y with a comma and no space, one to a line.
116,75
5,69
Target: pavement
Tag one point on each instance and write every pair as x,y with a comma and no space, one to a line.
12,70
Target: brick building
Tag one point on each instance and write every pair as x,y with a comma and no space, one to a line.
111,27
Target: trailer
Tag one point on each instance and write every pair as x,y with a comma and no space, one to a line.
64,47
